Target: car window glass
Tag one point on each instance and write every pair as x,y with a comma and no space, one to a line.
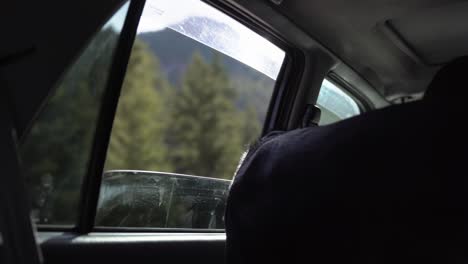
335,104
195,95
57,149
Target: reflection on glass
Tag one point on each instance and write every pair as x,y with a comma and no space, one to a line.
165,200
211,27
56,151
335,104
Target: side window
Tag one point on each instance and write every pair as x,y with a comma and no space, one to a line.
195,95
57,149
335,104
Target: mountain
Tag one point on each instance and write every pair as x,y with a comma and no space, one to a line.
175,52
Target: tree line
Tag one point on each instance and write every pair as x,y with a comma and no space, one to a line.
195,127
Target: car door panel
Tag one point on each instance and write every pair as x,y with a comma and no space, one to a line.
130,247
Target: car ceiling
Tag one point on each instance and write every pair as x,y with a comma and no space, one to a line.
396,45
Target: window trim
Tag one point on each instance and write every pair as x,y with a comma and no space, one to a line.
110,229
291,64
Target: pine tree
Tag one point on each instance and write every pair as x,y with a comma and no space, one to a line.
205,132
137,140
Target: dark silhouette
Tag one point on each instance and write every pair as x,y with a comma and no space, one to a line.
384,187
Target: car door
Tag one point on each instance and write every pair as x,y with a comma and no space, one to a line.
131,155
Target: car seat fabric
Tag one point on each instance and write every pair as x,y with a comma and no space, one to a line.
387,186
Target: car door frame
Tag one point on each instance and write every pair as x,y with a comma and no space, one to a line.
56,241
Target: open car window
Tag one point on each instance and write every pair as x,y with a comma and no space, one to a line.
195,95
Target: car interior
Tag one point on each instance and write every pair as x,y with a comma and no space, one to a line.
122,122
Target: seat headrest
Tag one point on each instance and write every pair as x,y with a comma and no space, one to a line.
450,82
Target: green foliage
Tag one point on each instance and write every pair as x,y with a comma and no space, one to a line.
137,140
205,133
194,129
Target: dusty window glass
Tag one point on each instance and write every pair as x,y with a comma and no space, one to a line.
57,149
195,95
335,104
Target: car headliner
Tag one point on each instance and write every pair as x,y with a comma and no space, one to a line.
396,45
